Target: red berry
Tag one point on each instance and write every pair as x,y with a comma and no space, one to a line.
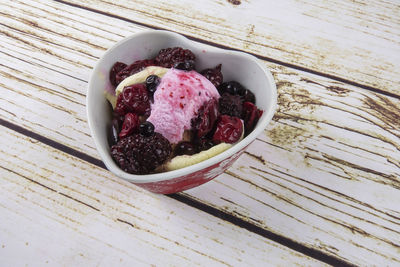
117,67
130,125
204,122
134,98
251,114
214,75
135,67
229,130
120,108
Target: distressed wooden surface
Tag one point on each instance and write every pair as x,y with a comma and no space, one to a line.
358,41
325,174
58,218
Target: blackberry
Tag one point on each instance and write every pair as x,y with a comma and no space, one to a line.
214,75
169,56
232,87
135,67
231,105
139,154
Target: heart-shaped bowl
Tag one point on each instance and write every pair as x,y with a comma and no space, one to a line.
237,66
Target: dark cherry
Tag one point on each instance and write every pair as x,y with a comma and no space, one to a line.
229,130
152,82
214,75
146,128
185,148
130,125
232,87
207,115
117,67
121,109
250,116
135,98
135,67
113,131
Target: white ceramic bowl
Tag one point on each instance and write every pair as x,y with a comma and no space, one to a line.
237,66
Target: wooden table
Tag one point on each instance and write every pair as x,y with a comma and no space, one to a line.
320,186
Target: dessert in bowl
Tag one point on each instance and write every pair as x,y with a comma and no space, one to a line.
195,109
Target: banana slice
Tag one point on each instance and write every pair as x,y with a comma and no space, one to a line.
111,98
179,162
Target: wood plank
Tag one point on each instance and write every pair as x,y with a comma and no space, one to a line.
358,41
341,138
60,210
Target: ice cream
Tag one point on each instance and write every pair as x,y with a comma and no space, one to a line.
177,100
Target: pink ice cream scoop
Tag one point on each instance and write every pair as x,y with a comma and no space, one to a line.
177,100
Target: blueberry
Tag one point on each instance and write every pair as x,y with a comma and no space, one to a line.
152,82
146,128
204,144
186,65
185,148
232,87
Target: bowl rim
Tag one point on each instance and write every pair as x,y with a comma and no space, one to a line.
165,176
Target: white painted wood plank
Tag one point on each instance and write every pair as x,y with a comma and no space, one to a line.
58,210
336,132
354,40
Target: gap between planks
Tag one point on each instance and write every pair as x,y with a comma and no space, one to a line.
189,201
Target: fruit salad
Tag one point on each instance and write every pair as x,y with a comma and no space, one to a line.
168,115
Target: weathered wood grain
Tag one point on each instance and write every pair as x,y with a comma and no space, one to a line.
59,210
354,40
326,172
